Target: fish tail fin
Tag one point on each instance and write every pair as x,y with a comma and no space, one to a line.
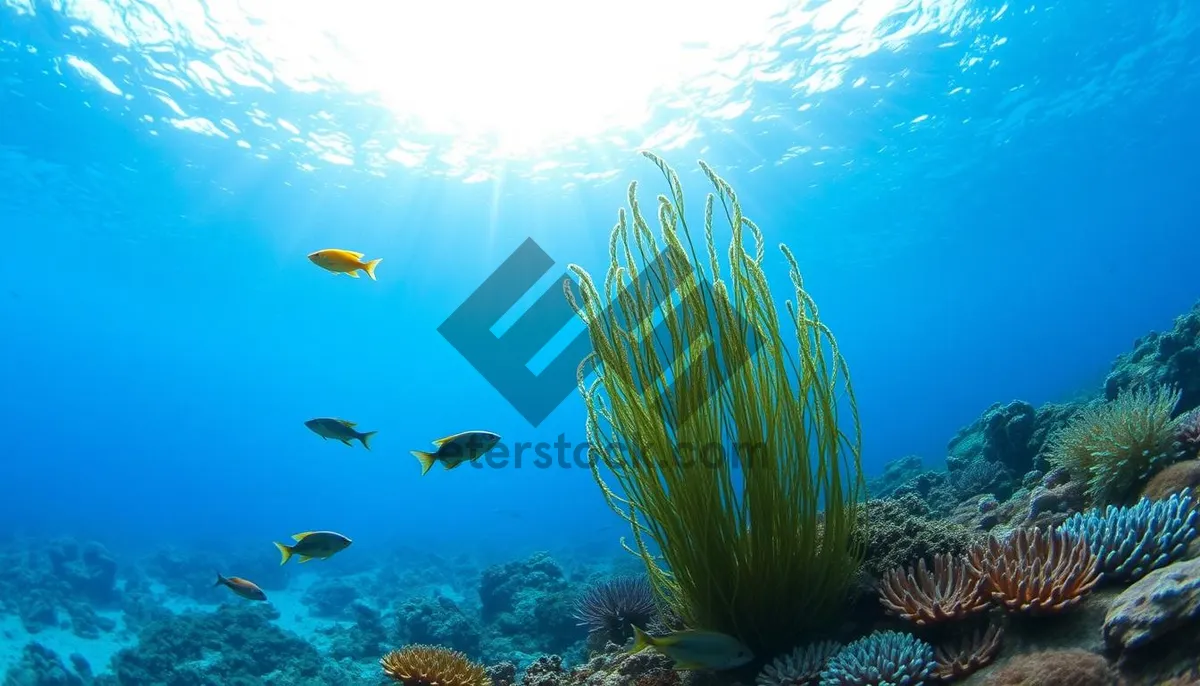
220,580
426,459
369,267
641,641
285,551
365,439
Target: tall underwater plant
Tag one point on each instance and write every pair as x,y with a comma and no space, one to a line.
755,534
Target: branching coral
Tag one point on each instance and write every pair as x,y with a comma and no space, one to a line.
421,665
962,658
614,605
1036,571
801,667
725,443
1132,541
1115,446
953,589
884,657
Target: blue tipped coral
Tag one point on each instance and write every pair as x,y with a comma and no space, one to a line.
885,658
1133,541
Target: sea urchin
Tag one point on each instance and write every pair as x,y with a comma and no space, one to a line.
613,606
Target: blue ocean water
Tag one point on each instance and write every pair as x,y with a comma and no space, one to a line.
988,200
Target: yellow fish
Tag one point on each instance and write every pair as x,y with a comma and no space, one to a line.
344,262
310,544
457,449
695,649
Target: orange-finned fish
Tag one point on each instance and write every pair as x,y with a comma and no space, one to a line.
344,262
246,589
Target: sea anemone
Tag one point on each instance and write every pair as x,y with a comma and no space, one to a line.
1036,571
801,667
615,605
951,590
959,659
1115,446
422,665
884,657
1133,541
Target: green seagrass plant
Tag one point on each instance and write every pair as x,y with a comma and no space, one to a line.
756,539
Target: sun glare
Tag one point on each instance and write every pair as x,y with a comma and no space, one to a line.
527,73
468,86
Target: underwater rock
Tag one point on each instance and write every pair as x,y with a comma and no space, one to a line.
37,611
896,473
235,644
330,598
1013,435
85,623
365,639
1159,603
547,670
501,584
1055,668
87,568
436,621
1172,479
1171,358
502,674
527,608
40,666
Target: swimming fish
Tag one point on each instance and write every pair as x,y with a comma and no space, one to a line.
310,544
344,262
695,649
246,589
340,429
457,449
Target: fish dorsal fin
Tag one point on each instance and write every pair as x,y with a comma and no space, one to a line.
300,537
347,423
355,255
442,441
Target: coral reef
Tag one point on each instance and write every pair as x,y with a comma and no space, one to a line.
900,531
40,666
1132,541
801,667
952,590
419,665
439,621
884,657
1036,571
959,658
527,608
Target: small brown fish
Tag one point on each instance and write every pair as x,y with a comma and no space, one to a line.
310,544
242,587
339,429
457,449
345,262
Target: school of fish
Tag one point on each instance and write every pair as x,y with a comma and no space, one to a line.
690,650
